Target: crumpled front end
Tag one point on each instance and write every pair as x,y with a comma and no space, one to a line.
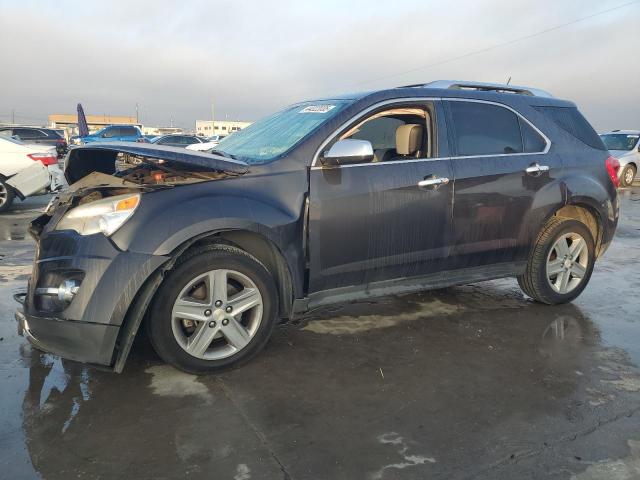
78,295
83,284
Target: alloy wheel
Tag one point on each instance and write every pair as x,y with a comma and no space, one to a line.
217,314
628,176
567,263
3,194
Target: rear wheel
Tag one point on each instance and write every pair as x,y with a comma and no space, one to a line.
560,263
6,195
214,311
627,176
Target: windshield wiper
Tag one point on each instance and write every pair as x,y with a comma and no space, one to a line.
221,153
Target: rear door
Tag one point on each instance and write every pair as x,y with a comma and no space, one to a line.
370,222
501,162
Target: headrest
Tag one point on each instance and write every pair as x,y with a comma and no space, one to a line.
408,139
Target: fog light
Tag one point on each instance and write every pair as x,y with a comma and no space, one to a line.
67,290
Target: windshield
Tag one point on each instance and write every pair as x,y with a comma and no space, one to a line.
620,141
266,139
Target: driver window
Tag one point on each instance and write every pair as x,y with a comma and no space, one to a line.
397,134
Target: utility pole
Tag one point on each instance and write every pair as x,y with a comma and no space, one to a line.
213,120
13,117
137,118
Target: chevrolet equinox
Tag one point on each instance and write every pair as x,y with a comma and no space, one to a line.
327,201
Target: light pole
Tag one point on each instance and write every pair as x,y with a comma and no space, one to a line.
213,120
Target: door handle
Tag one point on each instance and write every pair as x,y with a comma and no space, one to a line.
433,182
536,169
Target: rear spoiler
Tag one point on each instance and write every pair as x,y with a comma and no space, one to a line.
101,157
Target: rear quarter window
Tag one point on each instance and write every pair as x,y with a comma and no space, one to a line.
573,122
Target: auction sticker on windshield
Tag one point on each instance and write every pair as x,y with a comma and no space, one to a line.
317,109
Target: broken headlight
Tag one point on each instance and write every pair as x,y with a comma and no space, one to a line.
105,216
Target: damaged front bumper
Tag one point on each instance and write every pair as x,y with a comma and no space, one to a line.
87,325
81,341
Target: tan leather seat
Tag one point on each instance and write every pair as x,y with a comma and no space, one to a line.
409,139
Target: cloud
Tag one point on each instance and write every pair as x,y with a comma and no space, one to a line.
174,59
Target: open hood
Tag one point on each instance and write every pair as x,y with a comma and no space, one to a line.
101,157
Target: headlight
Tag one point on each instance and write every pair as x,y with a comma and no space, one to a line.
105,216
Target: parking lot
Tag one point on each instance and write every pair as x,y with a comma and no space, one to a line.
467,382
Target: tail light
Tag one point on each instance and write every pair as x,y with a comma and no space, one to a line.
613,165
45,158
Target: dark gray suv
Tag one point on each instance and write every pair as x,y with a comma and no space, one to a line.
326,201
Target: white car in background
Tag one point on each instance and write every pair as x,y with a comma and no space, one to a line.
27,170
211,143
625,146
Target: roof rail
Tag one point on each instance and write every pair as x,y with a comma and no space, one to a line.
485,87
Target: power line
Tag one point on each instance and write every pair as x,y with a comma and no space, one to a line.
498,45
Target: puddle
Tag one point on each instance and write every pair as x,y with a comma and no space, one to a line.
351,324
627,468
168,382
408,459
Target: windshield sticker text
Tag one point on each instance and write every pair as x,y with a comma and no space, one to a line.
317,109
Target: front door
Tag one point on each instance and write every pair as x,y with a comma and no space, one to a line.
373,221
501,162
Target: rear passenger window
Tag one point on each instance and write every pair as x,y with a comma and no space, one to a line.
127,131
484,129
533,141
28,133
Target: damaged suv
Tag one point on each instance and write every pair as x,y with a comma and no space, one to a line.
326,201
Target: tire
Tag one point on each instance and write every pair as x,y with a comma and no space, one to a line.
544,288
190,323
627,176
6,195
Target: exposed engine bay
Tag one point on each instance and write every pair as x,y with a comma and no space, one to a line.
108,170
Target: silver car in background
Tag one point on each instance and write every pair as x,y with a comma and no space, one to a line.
625,146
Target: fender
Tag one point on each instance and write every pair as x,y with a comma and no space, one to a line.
599,196
593,195
171,220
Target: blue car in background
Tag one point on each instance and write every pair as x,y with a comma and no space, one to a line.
112,133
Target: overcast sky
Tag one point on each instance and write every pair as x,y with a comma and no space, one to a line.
251,57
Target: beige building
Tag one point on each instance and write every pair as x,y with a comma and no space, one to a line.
69,122
161,130
208,128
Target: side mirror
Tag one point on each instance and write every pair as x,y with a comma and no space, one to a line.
348,151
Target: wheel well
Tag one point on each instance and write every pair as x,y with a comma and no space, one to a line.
261,248
587,216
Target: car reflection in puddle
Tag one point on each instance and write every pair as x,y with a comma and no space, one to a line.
73,414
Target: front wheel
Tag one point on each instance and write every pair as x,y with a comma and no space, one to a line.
560,263
215,310
6,195
627,176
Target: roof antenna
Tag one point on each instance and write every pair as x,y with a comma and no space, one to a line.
509,81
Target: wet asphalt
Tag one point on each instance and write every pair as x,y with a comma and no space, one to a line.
472,382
